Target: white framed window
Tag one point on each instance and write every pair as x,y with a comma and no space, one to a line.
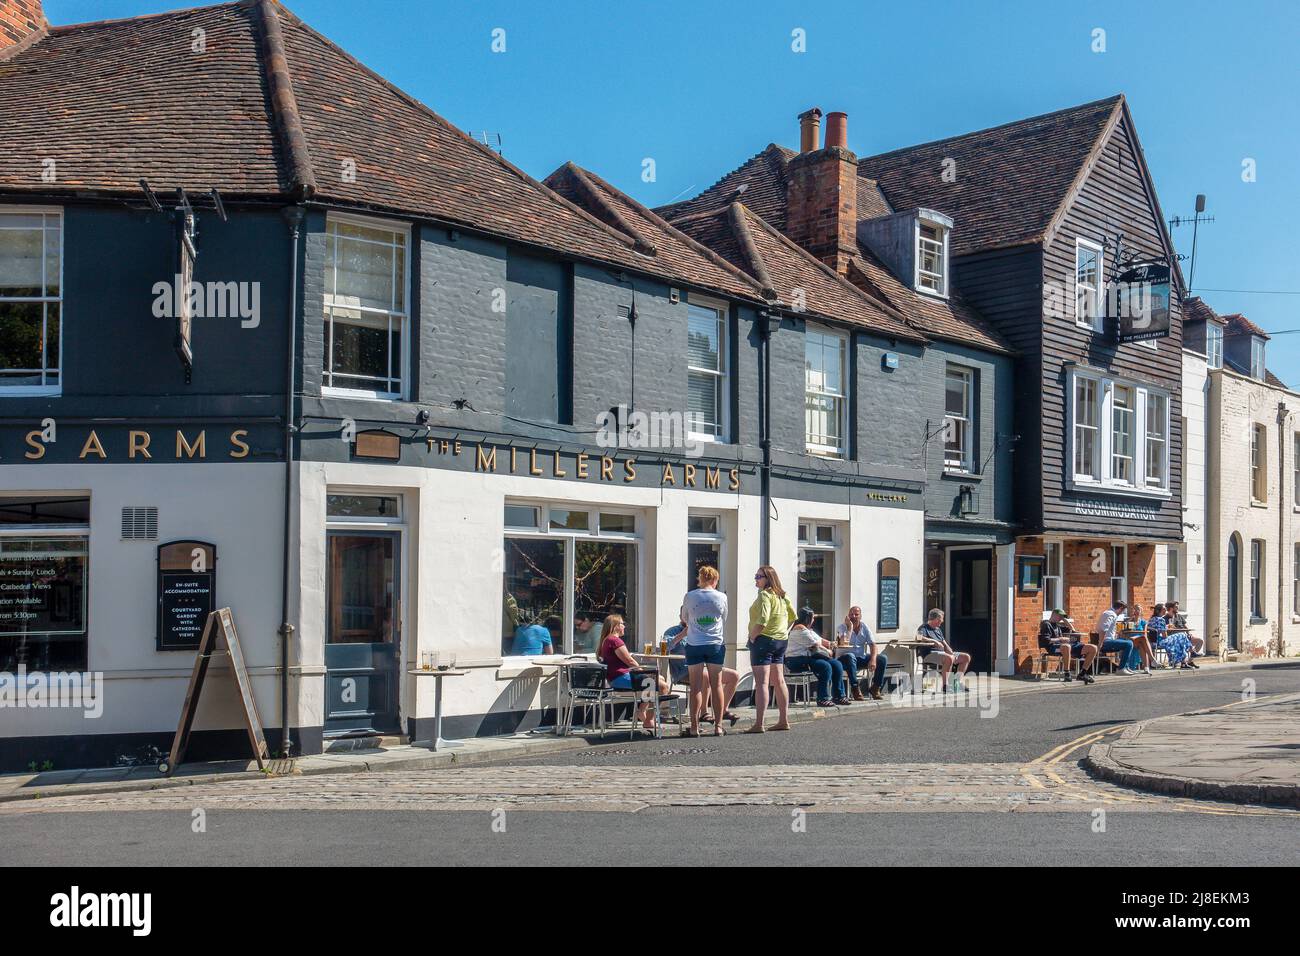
1295,464
1258,461
706,362
705,545
1132,452
31,301
818,557
1088,284
1118,572
1256,357
826,392
958,422
932,257
1295,584
1257,579
1123,424
1174,575
367,275
1213,345
566,567
1087,431
1157,440
1053,577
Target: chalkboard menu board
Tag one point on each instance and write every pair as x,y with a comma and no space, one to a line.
887,595
187,587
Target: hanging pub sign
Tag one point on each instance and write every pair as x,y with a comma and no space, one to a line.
1141,297
187,587
887,594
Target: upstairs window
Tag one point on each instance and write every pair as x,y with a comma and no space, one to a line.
825,392
1213,345
1087,434
1256,357
1087,284
1131,453
1295,465
1123,426
1258,460
706,370
958,419
931,257
1157,440
31,301
365,308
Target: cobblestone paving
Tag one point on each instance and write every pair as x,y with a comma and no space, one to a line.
995,787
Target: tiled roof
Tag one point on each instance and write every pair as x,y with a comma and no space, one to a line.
676,255
951,318
1196,309
1273,379
763,180
270,108
750,243
1009,181
1238,324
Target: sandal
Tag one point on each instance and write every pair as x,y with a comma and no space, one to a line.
687,732
729,716
718,731
756,729
779,727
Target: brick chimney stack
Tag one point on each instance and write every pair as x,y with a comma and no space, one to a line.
822,192
22,23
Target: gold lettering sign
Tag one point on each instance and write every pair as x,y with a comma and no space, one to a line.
185,449
92,444
138,442
39,448
712,477
689,475
485,462
668,478
582,464
236,439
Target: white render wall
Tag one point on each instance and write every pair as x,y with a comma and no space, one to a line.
1236,402
1195,566
238,507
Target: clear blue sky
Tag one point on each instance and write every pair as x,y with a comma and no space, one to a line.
700,86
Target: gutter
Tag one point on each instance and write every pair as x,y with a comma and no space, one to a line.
1283,415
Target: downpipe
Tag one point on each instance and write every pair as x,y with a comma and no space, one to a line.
293,216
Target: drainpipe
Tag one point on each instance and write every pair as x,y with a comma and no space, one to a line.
768,322
293,216
1283,414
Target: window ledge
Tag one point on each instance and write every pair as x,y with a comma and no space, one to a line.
330,391
1256,503
32,391
1259,620
1121,491
962,475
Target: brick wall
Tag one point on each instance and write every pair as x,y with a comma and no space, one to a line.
822,216
19,19
1028,610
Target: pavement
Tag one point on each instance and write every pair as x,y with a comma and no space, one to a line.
1248,753
419,757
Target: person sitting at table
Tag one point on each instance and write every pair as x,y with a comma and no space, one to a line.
862,654
810,652
532,638
1175,645
1135,628
1056,637
619,663
1110,641
1178,622
586,633
939,652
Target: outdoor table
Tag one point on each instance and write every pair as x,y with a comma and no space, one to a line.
437,702
661,661
562,702
913,647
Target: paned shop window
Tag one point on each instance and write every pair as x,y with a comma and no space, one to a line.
366,319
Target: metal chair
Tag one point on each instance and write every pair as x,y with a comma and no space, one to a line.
586,689
795,682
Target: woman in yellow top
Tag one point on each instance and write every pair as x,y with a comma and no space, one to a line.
770,617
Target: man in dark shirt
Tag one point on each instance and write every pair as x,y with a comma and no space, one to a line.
1054,636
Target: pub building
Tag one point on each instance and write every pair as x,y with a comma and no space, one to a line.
412,403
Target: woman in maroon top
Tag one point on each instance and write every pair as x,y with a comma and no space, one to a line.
618,661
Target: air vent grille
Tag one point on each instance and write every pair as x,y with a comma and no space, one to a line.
140,524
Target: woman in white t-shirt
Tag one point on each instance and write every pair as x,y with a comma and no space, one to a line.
705,612
809,652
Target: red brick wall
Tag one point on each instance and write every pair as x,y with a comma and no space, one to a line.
18,20
822,213
1087,592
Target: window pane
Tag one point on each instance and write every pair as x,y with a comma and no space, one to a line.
363,506
562,520
21,345
366,267
825,534
21,257
533,616
521,516
362,589
817,588
703,402
43,626
605,583
51,510
702,524
703,339
618,524
360,352
700,553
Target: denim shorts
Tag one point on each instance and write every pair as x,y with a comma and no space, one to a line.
764,650
705,654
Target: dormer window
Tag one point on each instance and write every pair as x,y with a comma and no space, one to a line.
1213,345
1256,357
932,254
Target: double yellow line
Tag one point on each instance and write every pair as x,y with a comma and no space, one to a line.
1047,763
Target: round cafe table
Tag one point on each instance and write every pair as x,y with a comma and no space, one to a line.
438,675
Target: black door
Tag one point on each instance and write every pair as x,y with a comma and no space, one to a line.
362,632
969,623
1234,592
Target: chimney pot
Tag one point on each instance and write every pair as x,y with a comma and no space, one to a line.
810,125
837,130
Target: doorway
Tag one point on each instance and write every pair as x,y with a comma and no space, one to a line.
363,628
970,605
1234,593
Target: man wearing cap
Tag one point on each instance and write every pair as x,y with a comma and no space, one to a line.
1054,636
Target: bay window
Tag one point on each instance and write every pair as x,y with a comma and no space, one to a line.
1132,452
825,392
366,278
706,363
31,301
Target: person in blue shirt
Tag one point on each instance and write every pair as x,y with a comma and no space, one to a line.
532,638
1176,646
